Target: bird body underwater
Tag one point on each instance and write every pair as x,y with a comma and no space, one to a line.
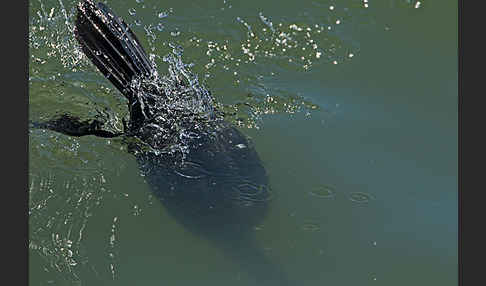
205,172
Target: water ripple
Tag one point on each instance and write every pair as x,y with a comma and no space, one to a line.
323,192
360,197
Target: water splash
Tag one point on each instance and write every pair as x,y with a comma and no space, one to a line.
249,112
51,41
59,211
68,185
55,56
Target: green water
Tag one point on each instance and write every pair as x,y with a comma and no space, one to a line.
352,109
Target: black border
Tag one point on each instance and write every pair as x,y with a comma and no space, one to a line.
470,146
14,118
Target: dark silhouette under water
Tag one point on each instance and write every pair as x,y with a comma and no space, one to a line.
204,171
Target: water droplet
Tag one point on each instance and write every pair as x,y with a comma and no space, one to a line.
132,11
138,22
160,27
163,15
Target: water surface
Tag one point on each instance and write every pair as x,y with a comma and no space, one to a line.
352,107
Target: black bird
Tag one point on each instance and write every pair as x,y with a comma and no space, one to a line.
205,171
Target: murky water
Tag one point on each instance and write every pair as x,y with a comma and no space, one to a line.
352,107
